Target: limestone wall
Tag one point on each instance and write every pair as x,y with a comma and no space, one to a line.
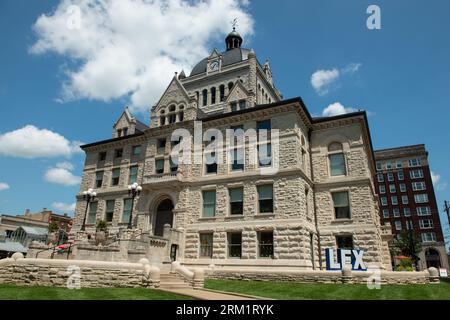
91,274
306,276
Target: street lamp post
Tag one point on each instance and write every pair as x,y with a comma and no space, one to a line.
133,191
89,196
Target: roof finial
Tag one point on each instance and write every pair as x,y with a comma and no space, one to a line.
234,23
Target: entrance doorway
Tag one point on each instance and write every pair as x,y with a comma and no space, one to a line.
432,258
164,215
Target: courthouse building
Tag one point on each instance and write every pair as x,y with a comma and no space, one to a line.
313,189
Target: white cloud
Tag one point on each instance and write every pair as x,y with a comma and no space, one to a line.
131,48
61,174
437,181
4,186
69,207
32,142
323,80
336,109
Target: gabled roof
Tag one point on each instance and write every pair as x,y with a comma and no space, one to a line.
140,126
177,82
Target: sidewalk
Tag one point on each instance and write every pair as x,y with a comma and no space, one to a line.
207,294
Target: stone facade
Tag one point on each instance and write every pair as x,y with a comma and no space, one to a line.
302,221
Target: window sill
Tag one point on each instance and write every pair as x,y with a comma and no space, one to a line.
344,220
207,218
264,215
234,216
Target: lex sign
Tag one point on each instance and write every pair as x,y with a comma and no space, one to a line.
352,257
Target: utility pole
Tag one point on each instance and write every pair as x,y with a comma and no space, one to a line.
447,209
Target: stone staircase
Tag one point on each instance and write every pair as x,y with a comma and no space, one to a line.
172,281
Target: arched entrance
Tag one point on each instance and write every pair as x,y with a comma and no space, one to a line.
164,215
432,258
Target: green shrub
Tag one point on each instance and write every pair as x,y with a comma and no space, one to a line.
405,265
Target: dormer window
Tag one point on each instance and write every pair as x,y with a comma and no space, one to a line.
119,132
162,121
233,106
125,131
171,108
172,118
242,105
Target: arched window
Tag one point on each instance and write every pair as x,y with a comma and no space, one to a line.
181,116
197,95
162,111
162,120
181,107
205,97
230,86
213,95
337,159
172,108
222,92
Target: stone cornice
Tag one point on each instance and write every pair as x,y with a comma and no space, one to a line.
114,143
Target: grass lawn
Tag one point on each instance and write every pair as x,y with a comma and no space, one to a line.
8,292
292,290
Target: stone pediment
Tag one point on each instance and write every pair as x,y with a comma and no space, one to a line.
174,94
238,92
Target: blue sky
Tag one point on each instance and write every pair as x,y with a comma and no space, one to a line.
401,75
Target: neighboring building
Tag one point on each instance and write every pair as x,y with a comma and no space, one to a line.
407,196
315,191
9,223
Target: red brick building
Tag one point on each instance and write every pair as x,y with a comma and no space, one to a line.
406,196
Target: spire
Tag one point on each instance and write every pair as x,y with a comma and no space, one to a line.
233,40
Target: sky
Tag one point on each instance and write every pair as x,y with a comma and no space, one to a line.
68,68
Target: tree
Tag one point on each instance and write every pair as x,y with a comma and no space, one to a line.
53,227
408,244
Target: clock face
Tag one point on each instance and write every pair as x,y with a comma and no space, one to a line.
214,66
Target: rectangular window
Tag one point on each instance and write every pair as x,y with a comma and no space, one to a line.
396,212
384,201
161,143
421,198
99,179
402,187
115,177
416,174
235,244
414,162
118,153
394,200
127,205
388,165
426,224
398,225
242,105
236,201
265,241
265,155
206,245
390,176
398,164
265,198
429,237
133,174
379,168
209,203
92,213
173,165
382,189
409,224
136,150
400,176
102,156
237,159
233,106
405,200
337,164
159,166
263,129
385,213
380,177
407,212
423,211
344,242
211,162
109,212
172,118
419,186
341,205
392,188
